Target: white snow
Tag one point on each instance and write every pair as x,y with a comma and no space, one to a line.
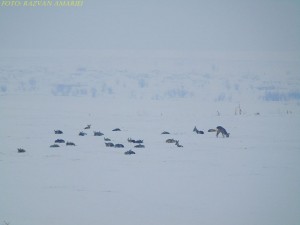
251,178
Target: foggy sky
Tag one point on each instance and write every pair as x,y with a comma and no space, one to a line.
256,25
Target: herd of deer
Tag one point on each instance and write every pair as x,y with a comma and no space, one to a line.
139,143
107,141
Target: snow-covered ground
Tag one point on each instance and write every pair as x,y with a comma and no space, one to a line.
251,178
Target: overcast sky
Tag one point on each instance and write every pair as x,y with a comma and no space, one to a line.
254,25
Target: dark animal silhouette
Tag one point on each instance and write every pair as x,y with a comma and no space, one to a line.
98,133
139,146
82,133
119,146
117,129
222,131
107,139
129,152
198,131
59,141
54,146
109,144
178,145
88,126
70,143
21,150
165,132
58,132
171,141
130,140
134,141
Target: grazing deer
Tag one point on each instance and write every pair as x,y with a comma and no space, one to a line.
222,131
165,132
116,129
219,130
198,131
107,139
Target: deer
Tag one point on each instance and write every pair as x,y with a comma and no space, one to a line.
88,126
178,145
68,143
170,141
220,129
109,144
198,131
98,133
58,132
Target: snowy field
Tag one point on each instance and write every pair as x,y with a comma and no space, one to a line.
251,178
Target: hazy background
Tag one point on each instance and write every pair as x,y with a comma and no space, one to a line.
164,25
206,50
